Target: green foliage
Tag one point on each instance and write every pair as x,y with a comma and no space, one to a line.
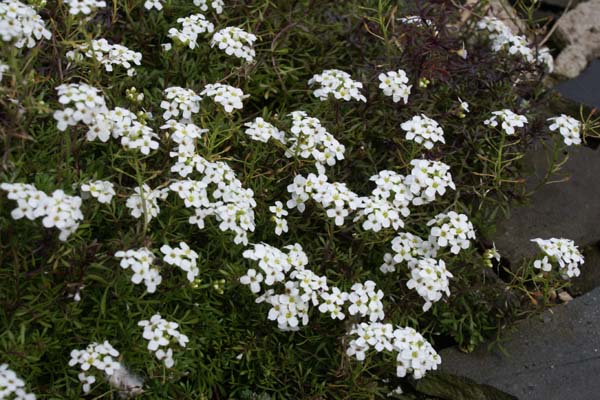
234,351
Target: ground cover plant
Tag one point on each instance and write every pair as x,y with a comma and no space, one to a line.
259,199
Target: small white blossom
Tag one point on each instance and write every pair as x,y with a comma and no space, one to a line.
180,100
395,84
101,190
84,7
191,27
107,54
430,278
140,261
216,5
183,257
87,103
451,230
338,83
21,24
279,215
145,201
101,356
509,120
262,131
162,334
561,251
235,41
568,127
423,130
228,96
11,386
428,180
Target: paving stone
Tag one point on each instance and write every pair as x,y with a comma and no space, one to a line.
585,88
553,356
567,209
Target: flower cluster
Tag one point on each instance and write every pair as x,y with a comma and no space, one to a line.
178,100
423,129
101,356
335,198
57,210
366,301
229,202
428,179
10,384
262,131
140,261
107,54
185,136
503,39
101,190
84,6
407,248
160,334
338,83
509,120
569,128
430,278
451,230
22,24
191,26
122,123
415,354
395,84
391,187
310,139
235,41
145,201
228,96
562,251
279,215
182,257
150,4
87,103
216,5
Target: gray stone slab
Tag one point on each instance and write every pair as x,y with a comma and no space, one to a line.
568,209
586,87
552,356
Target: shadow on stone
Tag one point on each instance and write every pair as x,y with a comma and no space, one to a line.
452,387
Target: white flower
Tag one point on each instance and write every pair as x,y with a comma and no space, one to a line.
140,261
161,334
228,96
427,180
509,120
150,4
262,131
568,127
84,6
395,84
235,41
561,251
3,69
87,102
253,279
338,83
423,129
11,385
415,355
182,257
145,201
101,190
191,27
20,24
57,210
217,5
309,139
178,100
279,215
451,230
430,278
107,55
463,105
101,357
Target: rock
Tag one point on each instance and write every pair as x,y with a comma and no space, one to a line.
565,297
579,27
452,387
566,209
590,271
561,3
585,88
554,356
